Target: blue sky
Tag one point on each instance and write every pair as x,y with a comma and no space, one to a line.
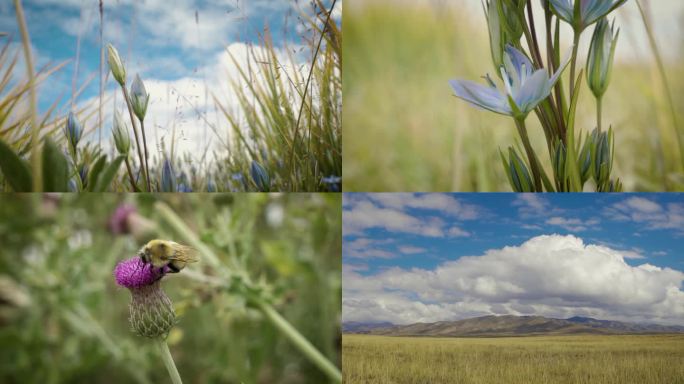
177,46
480,251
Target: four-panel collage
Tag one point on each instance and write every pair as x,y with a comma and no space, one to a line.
204,191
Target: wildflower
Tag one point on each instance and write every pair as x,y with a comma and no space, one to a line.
525,88
600,59
121,139
168,180
139,98
151,312
73,131
116,66
260,177
334,183
583,13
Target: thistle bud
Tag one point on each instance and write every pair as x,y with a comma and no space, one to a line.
73,131
260,177
151,311
116,66
120,132
600,59
139,98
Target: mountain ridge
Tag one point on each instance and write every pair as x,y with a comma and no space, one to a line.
510,325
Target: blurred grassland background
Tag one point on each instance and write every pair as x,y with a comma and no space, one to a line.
64,320
615,359
405,131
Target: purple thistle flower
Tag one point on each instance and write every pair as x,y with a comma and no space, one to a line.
151,310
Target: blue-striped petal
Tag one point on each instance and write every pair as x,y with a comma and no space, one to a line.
481,96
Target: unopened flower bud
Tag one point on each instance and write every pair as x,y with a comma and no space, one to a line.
139,98
120,132
73,131
260,177
116,66
600,59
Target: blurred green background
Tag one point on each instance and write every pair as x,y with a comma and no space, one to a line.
63,319
404,131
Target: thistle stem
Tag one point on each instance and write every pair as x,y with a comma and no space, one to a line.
299,341
168,361
137,139
520,124
36,173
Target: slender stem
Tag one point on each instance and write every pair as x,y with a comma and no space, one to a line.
130,174
299,341
168,361
35,129
520,124
137,140
147,167
599,108
99,109
573,63
533,33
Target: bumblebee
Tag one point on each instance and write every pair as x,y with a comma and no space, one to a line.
165,253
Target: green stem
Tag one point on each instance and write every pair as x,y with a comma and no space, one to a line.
299,341
130,174
168,361
599,108
137,140
573,63
520,124
147,167
35,128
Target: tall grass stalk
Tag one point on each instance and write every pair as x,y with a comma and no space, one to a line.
663,77
35,128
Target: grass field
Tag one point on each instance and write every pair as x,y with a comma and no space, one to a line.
620,359
404,131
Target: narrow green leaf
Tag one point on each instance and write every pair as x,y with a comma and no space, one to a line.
15,169
55,168
95,172
108,175
571,162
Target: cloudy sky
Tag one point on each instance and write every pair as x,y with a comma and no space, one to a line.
179,48
431,257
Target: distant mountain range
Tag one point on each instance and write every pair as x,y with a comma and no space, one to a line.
509,326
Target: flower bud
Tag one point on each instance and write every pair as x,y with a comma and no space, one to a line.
116,66
120,132
73,131
151,312
139,98
600,58
168,181
602,156
517,172
260,177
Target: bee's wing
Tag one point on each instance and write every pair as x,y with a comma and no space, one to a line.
186,254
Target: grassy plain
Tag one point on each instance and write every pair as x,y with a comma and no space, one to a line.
617,359
404,131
